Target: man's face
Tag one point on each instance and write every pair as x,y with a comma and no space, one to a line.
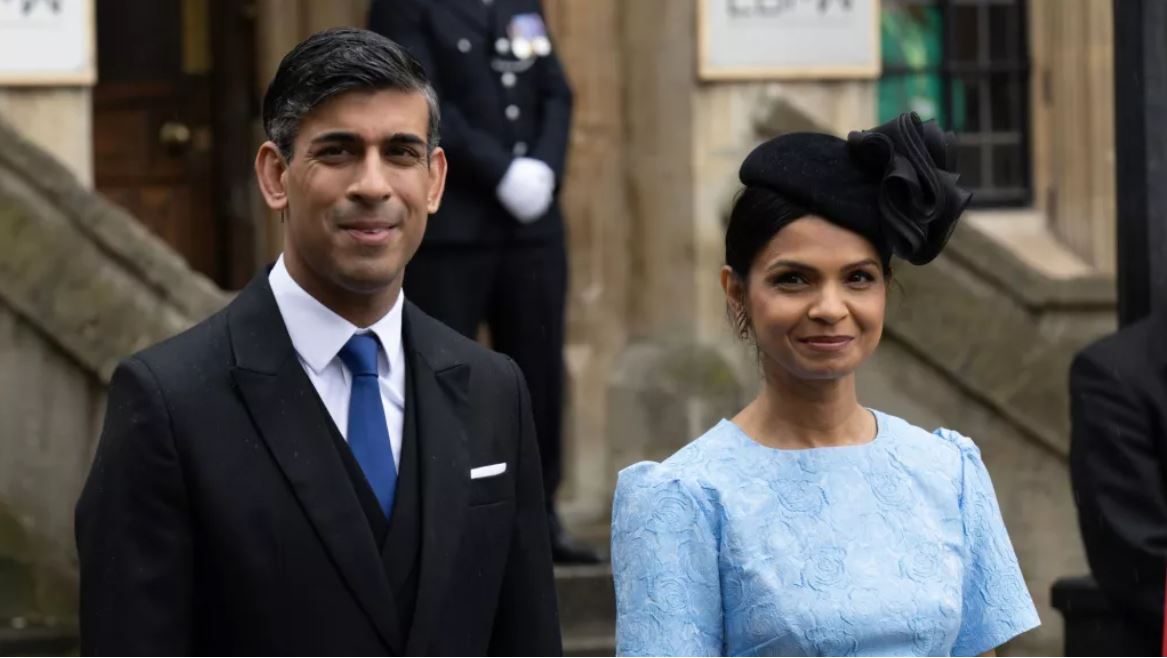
357,192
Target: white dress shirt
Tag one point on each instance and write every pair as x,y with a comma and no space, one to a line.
317,335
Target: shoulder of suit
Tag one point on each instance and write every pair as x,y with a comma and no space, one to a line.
199,342
184,363
1127,349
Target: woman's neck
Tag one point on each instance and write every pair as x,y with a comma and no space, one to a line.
792,413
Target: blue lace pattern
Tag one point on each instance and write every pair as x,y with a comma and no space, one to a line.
895,547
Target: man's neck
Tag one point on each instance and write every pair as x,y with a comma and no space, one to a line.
363,309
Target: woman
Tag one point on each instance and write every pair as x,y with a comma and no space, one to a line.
808,524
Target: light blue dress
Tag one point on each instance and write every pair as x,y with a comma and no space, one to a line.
894,547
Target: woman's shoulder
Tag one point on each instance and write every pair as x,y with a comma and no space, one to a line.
942,439
693,468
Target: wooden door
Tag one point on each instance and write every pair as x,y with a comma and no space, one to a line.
152,115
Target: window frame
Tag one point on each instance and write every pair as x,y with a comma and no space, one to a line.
1016,68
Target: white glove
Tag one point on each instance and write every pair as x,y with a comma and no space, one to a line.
527,189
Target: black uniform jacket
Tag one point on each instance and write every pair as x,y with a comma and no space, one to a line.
495,106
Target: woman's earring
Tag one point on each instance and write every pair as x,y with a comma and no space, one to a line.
743,324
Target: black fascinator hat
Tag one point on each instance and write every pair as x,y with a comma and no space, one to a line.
895,185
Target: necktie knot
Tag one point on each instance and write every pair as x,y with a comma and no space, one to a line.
360,355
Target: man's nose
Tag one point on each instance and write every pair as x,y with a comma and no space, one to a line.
372,184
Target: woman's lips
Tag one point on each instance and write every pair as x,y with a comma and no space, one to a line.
827,343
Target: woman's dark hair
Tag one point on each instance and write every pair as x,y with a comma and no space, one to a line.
335,61
757,216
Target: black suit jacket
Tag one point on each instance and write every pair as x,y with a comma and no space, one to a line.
1118,461
220,516
455,41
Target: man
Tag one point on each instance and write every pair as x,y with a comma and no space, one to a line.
1118,464
495,252
321,468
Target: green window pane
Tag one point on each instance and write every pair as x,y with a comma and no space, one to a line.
912,39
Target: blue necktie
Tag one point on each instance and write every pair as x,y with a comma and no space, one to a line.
368,433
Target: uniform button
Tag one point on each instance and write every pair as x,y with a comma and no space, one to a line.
464,45
508,79
488,2
502,46
520,149
512,112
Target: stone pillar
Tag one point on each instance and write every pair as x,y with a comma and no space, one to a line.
1072,93
660,83
587,34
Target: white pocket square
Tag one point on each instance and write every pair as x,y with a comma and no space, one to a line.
488,471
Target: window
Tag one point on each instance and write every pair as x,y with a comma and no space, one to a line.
965,63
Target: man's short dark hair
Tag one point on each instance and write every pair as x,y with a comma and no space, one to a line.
333,62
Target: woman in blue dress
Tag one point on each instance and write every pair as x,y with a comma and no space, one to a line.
808,524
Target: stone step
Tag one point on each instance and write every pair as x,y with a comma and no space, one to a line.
20,638
597,641
587,609
586,596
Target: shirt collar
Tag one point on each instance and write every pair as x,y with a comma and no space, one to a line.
318,333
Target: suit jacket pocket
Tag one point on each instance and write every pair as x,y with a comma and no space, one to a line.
493,489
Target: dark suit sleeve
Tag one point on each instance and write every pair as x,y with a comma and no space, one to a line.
555,132
407,23
133,532
527,621
1118,483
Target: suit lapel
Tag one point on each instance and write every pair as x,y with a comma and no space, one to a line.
442,384
286,410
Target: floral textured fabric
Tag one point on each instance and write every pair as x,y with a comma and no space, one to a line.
894,547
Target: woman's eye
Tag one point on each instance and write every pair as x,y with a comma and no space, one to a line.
861,276
789,279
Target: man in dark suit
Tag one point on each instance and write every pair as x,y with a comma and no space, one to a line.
1118,462
495,252
321,468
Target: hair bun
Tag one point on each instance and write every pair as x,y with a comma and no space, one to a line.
919,198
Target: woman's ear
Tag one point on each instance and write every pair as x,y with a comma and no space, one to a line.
735,301
734,288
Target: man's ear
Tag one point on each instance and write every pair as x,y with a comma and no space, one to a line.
437,182
270,168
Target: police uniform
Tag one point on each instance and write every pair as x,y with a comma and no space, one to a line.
503,95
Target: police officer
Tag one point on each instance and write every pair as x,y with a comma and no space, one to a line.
495,251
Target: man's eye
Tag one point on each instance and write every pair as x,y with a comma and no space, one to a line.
400,152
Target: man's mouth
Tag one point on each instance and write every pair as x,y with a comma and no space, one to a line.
370,232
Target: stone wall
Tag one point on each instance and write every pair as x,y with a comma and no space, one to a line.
82,284
58,120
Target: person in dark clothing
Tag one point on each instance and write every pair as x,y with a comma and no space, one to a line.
1118,466
321,468
495,251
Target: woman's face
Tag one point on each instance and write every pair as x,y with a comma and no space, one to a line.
815,296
